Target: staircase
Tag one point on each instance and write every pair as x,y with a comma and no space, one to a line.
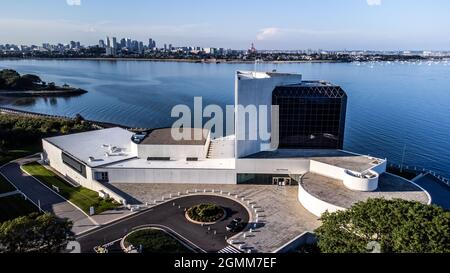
210,149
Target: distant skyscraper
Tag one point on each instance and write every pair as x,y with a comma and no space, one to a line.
123,43
109,51
114,42
128,43
151,43
101,44
134,46
108,42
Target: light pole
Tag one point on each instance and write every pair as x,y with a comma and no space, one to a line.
403,158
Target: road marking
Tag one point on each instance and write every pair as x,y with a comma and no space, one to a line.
229,249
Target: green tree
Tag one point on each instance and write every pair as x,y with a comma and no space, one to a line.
51,86
32,78
2,83
78,118
35,233
398,226
9,76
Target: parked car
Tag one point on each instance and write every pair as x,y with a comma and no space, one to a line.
234,225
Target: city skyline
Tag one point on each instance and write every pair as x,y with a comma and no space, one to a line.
368,24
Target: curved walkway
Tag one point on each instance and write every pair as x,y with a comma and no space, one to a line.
440,193
334,192
48,200
210,239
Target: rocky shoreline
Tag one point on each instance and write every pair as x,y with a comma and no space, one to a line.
45,93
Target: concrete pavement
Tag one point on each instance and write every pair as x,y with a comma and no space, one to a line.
281,216
48,200
172,217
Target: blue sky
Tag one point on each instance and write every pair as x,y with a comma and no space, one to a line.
270,24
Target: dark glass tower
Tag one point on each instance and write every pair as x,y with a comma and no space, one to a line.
312,115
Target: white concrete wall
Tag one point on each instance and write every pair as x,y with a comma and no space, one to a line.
353,182
380,168
255,92
175,152
327,170
182,176
315,205
272,166
52,155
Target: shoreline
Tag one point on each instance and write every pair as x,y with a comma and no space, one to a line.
43,93
100,124
206,61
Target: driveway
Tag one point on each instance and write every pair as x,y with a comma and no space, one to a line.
172,217
49,200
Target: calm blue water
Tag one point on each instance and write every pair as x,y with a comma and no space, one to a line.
390,104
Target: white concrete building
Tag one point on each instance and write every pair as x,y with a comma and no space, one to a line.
115,155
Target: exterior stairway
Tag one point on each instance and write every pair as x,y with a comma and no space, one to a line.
221,148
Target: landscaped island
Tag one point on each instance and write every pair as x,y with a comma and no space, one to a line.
152,240
14,84
205,213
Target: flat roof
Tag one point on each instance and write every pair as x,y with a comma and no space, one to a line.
164,137
313,84
338,158
142,163
103,146
334,192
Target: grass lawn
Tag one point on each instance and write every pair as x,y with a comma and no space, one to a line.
14,206
82,197
155,241
5,186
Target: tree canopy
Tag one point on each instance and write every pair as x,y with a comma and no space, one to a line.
16,129
36,232
396,226
11,80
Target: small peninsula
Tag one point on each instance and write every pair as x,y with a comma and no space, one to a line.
14,84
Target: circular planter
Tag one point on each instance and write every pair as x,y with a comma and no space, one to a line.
127,247
223,215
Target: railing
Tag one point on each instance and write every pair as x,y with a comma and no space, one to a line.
420,170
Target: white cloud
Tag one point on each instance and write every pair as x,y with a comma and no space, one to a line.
373,2
276,33
267,33
73,2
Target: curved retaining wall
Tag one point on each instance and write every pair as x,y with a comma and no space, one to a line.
314,204
361,182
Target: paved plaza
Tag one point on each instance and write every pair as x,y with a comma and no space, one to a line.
334,192
281,216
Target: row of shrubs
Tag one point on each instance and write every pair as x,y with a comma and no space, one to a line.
17,130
